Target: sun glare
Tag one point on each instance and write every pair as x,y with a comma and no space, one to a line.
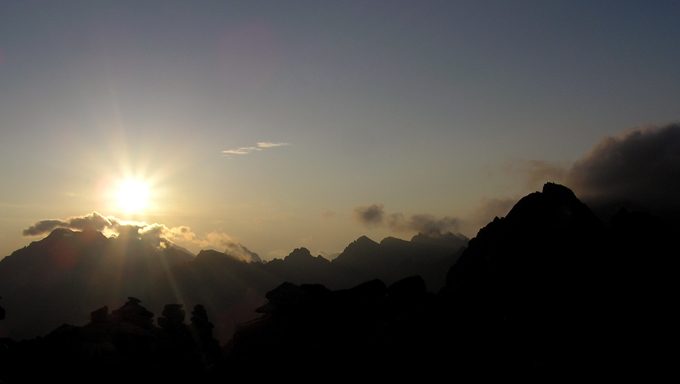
133,196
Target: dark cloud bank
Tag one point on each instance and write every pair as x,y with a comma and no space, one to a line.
638,169
641,165
374,215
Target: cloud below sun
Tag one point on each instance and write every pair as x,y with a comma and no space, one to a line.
158,235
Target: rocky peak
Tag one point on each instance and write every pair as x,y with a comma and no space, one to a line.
299,254
357,249
544,230
555,207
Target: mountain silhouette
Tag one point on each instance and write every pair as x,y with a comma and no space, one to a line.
549,291
60,278
551,286
232,288
121,346
393,259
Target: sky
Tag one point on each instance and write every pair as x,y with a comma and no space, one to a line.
280,125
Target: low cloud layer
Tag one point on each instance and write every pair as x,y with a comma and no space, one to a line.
227,244
423,223
247,150
374,215
158,235
93,220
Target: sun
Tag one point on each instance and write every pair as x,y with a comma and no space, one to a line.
133,196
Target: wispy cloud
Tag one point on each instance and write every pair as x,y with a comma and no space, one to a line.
268,144
247,150
241,151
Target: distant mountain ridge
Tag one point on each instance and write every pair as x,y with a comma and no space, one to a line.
63,276
393,259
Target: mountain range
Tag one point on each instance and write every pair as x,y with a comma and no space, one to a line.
547,292
62,277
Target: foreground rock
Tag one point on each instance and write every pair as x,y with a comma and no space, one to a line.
123,346
547,292
310,329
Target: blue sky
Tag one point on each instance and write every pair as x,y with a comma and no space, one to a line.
436,108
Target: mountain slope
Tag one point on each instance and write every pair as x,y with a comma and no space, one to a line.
63,276
551,285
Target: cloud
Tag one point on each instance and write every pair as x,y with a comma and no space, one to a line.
369,214
640,164
638,168
241,151
214,240
158,235
238,250
226,243
422,223
247,150
90,221
183,233
267,144
374,215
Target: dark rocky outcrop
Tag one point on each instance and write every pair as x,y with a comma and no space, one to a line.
319,330
547,292
551,286
123,346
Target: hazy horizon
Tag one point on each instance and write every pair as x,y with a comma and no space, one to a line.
280,125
